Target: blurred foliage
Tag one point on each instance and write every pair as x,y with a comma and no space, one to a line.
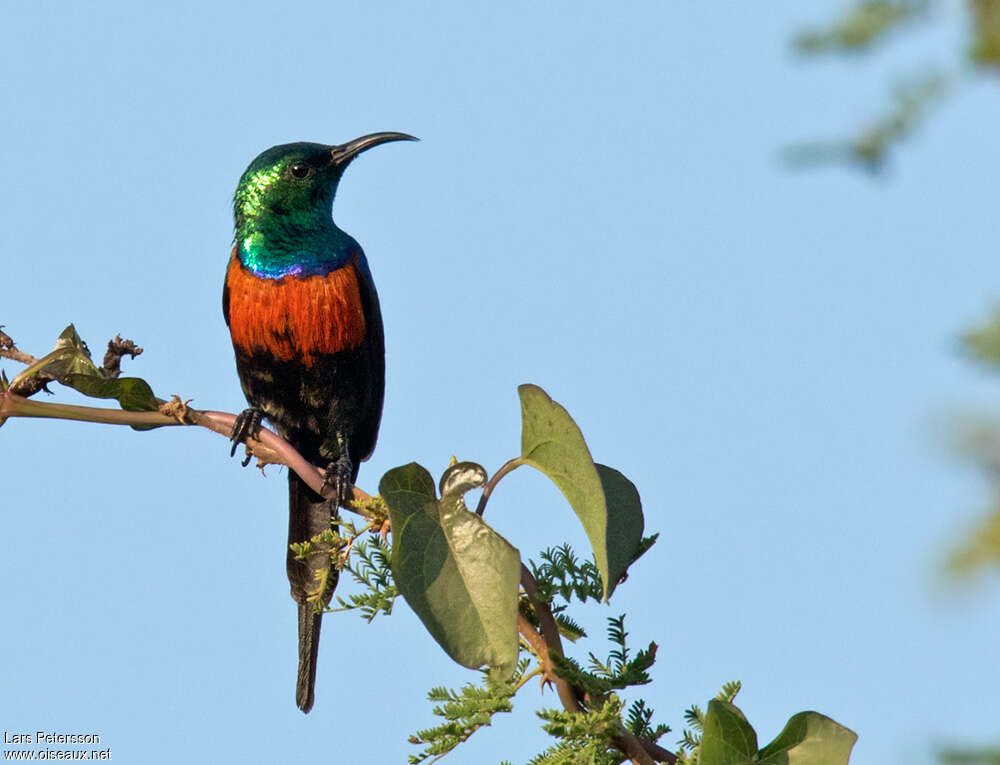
869,148
979,442
467,710
970,756
979,550
862,28
983,343
985,32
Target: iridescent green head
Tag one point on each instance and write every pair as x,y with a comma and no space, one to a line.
283,204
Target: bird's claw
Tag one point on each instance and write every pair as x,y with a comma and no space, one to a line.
338,479
246,426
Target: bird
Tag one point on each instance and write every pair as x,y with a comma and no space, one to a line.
306,328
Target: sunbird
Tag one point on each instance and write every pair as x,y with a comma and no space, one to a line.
304,317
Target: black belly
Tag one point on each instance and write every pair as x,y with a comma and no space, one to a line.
339,395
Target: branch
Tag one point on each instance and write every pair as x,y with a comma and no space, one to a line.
9,351
268,447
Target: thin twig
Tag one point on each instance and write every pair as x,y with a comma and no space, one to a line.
9,351
507,467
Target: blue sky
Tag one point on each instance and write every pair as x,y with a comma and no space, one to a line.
596,207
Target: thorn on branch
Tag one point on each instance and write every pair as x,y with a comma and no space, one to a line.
117,348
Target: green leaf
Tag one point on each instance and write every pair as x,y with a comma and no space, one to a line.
70,356
462,477
604,500
810,738
132,393
728,738
625,522
70,363
458,575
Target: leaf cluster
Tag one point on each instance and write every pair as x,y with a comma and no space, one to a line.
640,722
463,580
616,672
70,364
369,565
584,737
690,743
467,710
561,574
808,738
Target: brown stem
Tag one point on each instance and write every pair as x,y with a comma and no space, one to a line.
16,355
507,467
9,351
633,747
567,694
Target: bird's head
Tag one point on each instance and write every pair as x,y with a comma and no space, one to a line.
296,180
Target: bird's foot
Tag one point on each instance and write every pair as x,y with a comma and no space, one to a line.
338,479
246,426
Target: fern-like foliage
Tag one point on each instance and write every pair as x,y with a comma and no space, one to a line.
584,737
644,544
561,573
369,565
640,722
690,743
616,672
465,711
619,670
568,628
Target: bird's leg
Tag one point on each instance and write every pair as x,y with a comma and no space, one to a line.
339,471
246,426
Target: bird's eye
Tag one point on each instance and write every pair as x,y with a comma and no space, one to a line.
300,170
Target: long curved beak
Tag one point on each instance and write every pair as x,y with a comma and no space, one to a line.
345,152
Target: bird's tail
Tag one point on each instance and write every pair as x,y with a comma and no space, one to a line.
312,580
310,622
